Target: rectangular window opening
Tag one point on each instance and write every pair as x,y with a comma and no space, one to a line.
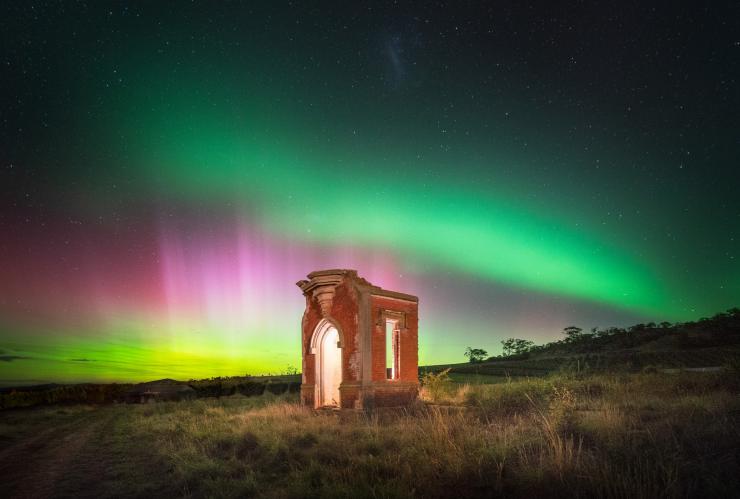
392,343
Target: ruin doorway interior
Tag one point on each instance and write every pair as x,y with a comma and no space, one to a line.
328,351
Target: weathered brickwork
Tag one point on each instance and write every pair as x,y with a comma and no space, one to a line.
359,311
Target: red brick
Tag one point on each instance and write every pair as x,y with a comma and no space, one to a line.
358,309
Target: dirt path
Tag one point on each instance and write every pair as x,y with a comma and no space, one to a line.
34,466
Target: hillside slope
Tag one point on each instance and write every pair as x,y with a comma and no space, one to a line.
708,342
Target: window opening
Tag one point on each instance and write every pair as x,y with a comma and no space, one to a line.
392,344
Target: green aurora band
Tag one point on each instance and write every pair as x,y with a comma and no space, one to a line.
492,195
331,195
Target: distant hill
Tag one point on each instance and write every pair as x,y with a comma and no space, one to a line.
164,389
707,342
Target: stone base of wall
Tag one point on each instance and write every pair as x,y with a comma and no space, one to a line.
307,394
394,394
349,395
378,394
387,394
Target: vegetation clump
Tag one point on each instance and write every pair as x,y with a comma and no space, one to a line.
475,354
435,386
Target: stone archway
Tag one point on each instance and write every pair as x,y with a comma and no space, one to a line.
327,349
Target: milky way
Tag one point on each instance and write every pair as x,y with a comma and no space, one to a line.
167,175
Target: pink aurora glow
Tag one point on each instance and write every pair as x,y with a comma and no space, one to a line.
240,277
231,277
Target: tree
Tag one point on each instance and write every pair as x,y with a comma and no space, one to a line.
572,333
508,345
475,354
516,346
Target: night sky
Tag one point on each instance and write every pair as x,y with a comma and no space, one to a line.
169,170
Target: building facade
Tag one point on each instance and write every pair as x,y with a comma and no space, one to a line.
360,343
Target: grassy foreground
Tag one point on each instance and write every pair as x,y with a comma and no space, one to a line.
608,435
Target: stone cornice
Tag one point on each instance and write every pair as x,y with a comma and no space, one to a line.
322,285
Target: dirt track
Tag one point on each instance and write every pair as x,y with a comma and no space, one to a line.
63,460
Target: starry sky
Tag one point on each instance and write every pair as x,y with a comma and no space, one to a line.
169,170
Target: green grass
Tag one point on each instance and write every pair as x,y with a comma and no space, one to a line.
568,435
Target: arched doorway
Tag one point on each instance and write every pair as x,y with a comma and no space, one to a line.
328,351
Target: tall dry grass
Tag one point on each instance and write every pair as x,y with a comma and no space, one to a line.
640,435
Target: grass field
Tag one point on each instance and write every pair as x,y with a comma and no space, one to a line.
604,435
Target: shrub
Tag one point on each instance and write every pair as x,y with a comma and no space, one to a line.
437,386
277,388
562,409
251,388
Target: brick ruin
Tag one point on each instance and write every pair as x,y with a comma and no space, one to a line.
360,343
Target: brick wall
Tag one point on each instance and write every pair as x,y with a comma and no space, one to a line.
409,339
344,314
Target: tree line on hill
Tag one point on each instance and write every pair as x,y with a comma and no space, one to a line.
722,329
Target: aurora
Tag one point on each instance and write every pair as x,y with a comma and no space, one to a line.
165,183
